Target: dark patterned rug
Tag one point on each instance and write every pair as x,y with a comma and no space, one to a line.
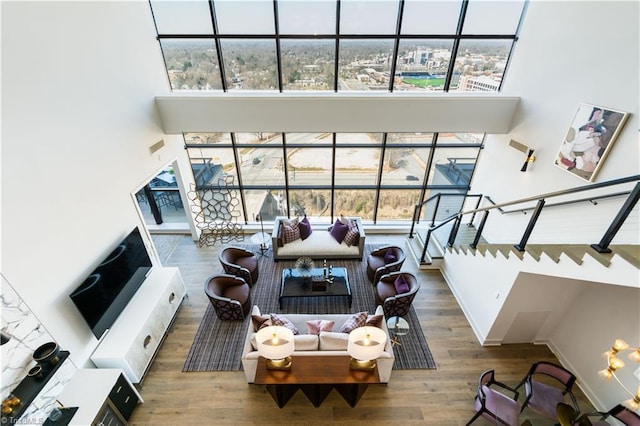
218,344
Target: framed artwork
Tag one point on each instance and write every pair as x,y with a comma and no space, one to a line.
589,139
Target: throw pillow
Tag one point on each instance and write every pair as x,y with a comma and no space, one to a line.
260,321
284,322
353,322
343,220
389,256
352,236
305,228
401,285
375,320
291,233
339,231
316,326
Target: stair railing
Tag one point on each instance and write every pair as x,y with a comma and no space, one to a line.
602,246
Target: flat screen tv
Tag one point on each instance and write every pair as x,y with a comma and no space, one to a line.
107,290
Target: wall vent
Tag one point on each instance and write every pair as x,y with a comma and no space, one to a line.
156,146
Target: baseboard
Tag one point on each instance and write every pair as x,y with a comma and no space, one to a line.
586,390
474,327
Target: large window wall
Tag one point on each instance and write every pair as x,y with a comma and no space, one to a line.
341,46
377,176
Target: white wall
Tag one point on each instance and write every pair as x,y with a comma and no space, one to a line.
603,314
337,112
569,52
78,81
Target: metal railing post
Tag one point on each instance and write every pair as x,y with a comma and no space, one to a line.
413,222
618,221
454,231
473,216
426,244
532,223
435,209
476,239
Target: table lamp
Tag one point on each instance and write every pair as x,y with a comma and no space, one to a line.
275,343
365,345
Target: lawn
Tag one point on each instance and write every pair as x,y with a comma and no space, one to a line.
424,82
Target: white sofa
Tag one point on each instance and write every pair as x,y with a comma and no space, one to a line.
326,344
319,245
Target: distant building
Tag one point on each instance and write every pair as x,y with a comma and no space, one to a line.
480,83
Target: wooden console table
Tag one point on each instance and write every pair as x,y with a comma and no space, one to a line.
316,376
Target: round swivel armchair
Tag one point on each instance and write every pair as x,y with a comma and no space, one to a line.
395,292
383,261
239,262
229,295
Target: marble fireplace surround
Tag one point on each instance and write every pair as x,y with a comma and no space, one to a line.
27,334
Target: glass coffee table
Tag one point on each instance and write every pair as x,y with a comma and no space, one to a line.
397,326
294,284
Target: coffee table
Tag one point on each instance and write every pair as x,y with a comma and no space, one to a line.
316,376
294,284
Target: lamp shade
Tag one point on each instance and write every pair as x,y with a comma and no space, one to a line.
366,343
275,342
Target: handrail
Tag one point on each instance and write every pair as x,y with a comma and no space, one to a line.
602,246
592,200
561,192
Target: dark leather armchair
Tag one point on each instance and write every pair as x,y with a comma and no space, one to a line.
383,261
394,303
229,295
240,262
494,405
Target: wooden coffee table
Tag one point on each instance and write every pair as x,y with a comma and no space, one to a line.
295,285
316,376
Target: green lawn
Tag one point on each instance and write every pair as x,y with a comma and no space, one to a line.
424,82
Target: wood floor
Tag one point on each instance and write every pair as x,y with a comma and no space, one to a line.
412,397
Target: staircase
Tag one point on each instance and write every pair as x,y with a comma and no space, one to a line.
575,252
458,232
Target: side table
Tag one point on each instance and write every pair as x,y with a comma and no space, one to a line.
397,326
263,239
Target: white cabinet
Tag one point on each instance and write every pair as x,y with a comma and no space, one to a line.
102,396
134,338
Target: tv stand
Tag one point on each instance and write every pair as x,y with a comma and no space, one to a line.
133,340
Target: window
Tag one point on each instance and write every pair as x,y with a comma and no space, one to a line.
326,45
330,46
377,176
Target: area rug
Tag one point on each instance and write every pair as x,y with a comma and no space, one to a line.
218,344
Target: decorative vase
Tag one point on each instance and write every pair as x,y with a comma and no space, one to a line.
305,266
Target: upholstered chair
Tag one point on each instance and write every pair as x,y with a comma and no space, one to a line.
229,295
495,405
567,416
383,261
240,262
395,293
546,385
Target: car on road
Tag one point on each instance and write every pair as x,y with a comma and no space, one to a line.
256,160
412,177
